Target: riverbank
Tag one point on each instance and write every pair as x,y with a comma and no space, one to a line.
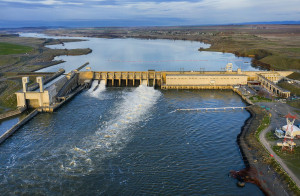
34,56
261,168
273,47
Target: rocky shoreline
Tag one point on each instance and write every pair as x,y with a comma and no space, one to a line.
260,167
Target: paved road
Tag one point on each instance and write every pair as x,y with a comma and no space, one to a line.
278,110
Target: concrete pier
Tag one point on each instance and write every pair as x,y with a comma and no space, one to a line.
11,131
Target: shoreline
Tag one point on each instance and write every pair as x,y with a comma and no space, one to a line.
241,138
260,168
255,63
39,58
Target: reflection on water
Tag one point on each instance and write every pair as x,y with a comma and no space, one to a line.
141,55
8,123
128,141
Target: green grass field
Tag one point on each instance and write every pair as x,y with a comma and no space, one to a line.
292,159
270,136
7,48
293,88
257,98
295,76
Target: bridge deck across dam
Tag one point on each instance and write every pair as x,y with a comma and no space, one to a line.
189,79
72,83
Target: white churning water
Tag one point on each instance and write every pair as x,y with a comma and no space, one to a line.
113,135
97,89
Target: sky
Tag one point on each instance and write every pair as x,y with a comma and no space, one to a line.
145,12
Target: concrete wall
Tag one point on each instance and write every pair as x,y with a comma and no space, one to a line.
33,99
38,99
12,113
17,126
114,78
86,75
55,75
194,80
252,75
69,86
164,79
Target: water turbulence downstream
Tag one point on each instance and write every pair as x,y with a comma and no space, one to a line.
112,135
96,89
126,141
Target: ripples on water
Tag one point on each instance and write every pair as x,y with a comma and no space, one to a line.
142,55
125,141
113,134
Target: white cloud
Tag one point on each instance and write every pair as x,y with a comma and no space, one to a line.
43,2
196,12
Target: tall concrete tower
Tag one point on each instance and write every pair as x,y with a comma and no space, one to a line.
39,80
25,81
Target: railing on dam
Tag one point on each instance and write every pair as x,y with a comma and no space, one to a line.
178,79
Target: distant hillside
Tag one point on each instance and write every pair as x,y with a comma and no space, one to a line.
118,23
273,22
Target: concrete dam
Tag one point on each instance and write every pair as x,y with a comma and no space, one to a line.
50,98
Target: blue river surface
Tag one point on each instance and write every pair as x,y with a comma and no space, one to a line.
141,55
131,141
128,141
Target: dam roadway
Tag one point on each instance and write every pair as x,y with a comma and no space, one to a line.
190,79
132,108
126,141
50,98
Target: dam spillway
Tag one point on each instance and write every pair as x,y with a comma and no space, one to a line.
128,141
62,90
130,123
190,79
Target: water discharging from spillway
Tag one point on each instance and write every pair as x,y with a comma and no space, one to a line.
97,89
112,135
126,141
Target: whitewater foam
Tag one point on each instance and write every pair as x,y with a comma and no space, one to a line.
115,134
97,89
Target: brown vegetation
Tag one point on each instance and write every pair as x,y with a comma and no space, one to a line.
37,57
261,168
273,46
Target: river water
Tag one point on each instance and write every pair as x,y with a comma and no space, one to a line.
141,55
129,141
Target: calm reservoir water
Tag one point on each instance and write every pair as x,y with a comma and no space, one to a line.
141,55
128,141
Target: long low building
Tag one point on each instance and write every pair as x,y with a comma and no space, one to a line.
173,81
62,89
191,79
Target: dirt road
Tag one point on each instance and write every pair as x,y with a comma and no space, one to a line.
278,111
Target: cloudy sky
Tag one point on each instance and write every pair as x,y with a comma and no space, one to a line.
151,12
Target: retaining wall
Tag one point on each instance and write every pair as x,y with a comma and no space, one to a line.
12,130
12,113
